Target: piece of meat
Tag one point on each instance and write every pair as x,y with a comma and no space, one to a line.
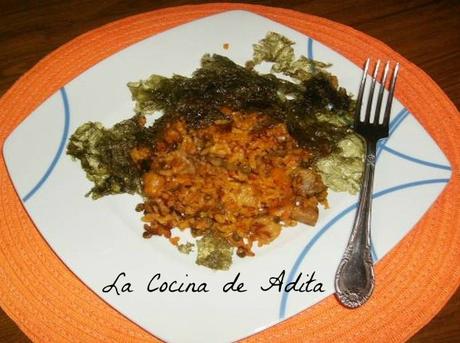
307,215
305,182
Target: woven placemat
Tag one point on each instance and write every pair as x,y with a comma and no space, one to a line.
50,304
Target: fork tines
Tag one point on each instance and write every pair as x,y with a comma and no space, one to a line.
383,81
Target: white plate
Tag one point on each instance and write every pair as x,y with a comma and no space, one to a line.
100,239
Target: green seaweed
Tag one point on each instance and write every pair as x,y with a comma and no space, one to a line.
214,252
104,154
220,82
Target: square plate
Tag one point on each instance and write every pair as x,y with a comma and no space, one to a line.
100,239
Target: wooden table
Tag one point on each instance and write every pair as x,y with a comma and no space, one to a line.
424,31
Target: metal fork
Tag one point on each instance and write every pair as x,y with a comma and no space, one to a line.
354,280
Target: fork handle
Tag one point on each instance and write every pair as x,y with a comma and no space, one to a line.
354,280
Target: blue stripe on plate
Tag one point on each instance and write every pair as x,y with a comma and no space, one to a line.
59,151
394,124
310,48
373,252
415,160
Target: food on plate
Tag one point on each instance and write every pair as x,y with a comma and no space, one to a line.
235,156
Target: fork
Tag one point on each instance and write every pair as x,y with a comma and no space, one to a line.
354,279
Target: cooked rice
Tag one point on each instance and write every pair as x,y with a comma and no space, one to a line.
244,178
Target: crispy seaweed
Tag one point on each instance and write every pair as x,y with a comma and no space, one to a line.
104,154
222,83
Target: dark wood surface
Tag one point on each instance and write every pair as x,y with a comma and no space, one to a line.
426,32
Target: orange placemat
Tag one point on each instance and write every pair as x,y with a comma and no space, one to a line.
50,304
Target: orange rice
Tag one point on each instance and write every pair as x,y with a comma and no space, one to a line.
243,178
